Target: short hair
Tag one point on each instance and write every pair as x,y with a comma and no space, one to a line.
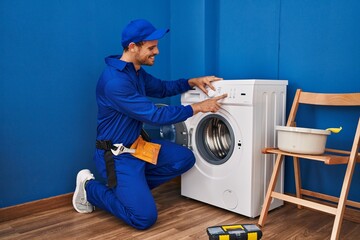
139,44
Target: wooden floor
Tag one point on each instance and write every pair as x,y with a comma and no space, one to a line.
179,218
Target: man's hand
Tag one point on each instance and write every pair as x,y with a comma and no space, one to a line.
208,105
203,82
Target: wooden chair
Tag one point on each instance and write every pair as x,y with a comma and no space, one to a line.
331,156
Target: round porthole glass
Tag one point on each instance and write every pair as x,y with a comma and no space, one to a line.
215,139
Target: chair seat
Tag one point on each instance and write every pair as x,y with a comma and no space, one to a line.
330,159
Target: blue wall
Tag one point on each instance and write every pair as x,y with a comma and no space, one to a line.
249,39
52,54
320,51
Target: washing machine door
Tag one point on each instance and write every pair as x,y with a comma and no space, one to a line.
176,133
214,138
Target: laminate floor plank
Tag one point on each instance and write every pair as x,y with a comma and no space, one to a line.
179,218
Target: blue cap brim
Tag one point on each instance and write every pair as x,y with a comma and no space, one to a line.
159,33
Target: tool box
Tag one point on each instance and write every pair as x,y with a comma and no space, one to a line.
234,232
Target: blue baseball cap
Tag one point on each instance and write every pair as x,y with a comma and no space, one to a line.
141,30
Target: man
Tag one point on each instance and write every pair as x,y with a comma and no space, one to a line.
131,165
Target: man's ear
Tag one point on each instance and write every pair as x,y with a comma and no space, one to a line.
132,47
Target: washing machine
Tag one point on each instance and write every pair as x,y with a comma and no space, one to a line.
230,171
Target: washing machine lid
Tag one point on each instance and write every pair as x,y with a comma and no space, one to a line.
176,133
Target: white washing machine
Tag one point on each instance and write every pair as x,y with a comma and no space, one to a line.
230,171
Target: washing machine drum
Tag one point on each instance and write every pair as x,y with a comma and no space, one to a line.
214,139
176,133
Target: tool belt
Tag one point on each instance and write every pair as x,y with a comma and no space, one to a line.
141,148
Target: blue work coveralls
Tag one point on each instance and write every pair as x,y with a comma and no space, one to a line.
123,107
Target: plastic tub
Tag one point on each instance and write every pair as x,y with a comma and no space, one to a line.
302,140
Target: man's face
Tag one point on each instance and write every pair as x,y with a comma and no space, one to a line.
145,54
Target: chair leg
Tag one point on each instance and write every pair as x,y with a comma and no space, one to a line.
342,202
346,186
271,187
297,179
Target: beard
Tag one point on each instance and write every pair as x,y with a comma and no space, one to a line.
146,60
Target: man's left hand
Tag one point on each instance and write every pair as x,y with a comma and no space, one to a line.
204,82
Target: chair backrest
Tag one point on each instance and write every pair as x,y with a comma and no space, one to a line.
324,99
342,99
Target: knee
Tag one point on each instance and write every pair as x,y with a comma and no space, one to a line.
185,161
190,159
144,220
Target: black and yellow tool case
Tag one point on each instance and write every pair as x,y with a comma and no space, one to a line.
234,232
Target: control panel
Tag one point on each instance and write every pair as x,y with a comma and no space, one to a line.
237,94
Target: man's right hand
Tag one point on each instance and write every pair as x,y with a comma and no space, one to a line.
208,105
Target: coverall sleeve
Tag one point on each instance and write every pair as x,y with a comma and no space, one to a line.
125,97
157,88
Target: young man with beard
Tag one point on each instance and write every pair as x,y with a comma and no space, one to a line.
123,107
